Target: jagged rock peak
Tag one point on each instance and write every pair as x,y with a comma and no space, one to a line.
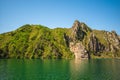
80,25
76,24
77,32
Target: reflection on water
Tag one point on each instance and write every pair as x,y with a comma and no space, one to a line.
78,70
96,69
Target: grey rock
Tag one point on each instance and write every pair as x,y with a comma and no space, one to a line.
79,50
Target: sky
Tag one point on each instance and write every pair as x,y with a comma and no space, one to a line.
97,14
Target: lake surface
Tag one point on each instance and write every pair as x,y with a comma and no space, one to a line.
36,69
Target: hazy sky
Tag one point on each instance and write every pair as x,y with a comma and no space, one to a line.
98,14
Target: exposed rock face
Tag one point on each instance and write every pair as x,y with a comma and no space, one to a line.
77,32
85,28
115,40
119,38
79,50
67,39
113,43
37,41
94,45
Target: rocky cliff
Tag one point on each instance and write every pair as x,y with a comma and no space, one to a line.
79,41
85,42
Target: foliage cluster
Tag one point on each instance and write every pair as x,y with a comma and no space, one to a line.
34,41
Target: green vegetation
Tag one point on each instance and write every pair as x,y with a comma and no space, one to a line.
37,41
34,41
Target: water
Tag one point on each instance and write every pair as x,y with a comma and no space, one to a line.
36,69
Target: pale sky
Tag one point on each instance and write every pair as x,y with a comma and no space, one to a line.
97,14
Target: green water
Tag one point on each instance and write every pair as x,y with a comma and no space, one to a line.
36,69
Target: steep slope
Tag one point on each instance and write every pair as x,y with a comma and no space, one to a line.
37,41
34,41
93,42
